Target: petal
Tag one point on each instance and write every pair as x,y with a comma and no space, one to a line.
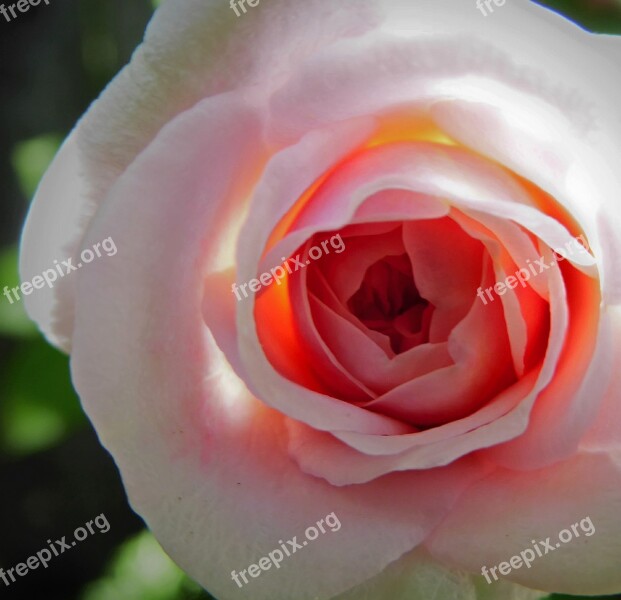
367,361
482,368
54,229
533,505
417,576
605,432
570,404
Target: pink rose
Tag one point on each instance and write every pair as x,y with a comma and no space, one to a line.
336,331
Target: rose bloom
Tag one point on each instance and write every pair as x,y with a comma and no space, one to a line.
447,421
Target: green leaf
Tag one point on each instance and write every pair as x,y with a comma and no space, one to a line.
565,597
31,158
597,16
39,405
142,571
14,321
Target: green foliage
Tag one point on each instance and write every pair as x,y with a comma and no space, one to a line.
14,322
142,571
566,597
31,158
593,15
39,406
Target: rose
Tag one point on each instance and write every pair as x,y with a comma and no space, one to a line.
449,151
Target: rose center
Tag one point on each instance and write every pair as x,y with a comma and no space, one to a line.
389,302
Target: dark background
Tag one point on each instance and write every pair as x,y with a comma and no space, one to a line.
54,475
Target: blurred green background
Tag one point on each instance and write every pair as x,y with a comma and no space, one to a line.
54,475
